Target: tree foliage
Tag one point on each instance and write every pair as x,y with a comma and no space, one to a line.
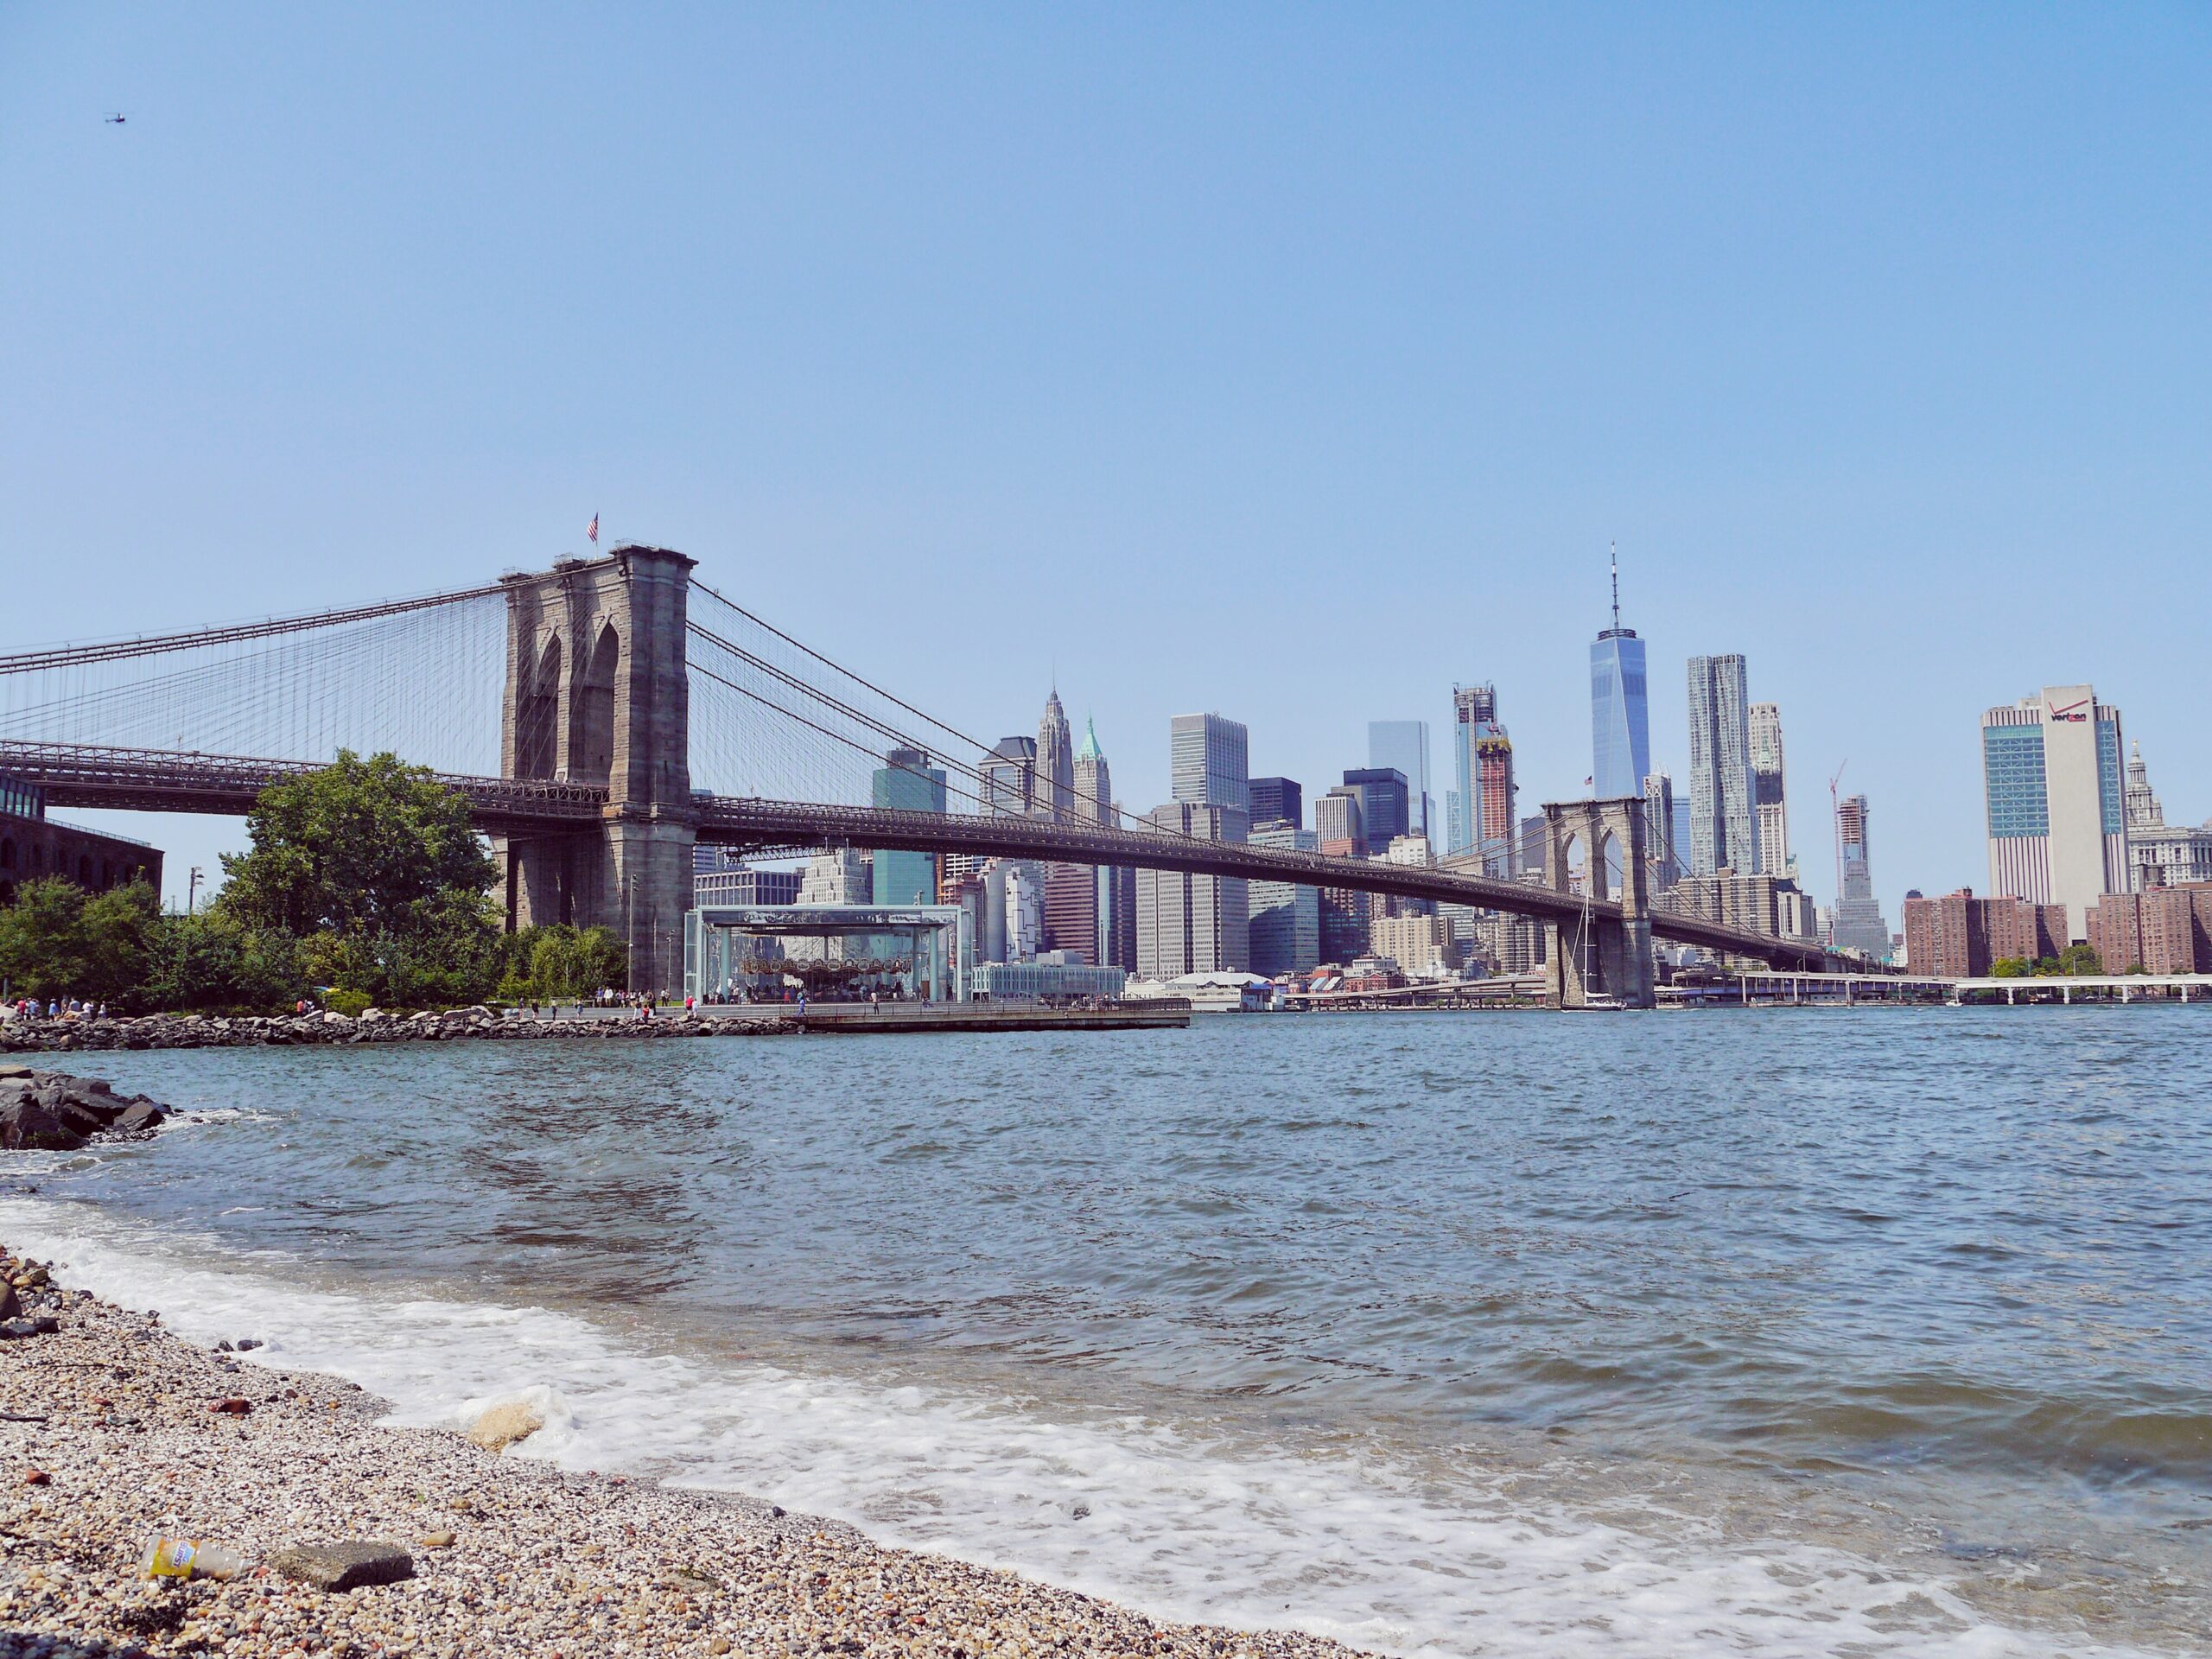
566,962
2073,962
364,877
214,961
57,939
359,848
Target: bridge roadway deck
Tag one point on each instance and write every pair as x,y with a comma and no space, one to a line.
762,825
95,777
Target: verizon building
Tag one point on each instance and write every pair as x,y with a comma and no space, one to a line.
2057,824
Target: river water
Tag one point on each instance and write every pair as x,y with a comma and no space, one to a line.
1817,1333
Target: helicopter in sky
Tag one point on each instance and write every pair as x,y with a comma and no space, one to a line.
114,120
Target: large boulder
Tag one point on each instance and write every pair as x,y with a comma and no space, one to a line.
140,1117
27,1126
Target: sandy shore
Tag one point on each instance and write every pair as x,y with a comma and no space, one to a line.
126,1447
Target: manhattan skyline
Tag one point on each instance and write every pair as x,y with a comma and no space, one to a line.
1298,343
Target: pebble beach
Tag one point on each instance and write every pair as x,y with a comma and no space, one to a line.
116,1432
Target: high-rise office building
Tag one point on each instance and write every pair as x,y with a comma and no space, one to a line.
1762,904
1277,800
1385,804
1536,840
1721,768
1620,721
1094,783
839,876
1208,761
2051,776
1769,810
1402,745
1344,909
1665,864
1856,924
907,782
1055,761
1286,918
1117,913
1336,817
1186,923
1015,919
1010,778
738,883
1482,815
1071,896
1474,709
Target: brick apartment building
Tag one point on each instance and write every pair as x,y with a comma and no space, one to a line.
1959,936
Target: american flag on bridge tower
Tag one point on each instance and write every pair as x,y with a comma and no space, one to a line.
592,530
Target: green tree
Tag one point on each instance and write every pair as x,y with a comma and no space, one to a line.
565,963
214,961
58,940
357,848
2077,960
2010,967
373,867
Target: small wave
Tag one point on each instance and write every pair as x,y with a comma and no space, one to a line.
1185,1526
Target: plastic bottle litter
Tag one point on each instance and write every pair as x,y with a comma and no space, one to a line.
187,1558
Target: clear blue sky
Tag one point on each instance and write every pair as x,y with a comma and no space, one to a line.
1292,362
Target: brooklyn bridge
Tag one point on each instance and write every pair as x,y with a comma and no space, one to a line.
605,716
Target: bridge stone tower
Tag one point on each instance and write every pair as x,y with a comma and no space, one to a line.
597,693
1599,954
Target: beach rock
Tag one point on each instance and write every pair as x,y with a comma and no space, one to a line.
346,1565
17,1330
140,1117
26,1126
11,1305
503,1424
13,1070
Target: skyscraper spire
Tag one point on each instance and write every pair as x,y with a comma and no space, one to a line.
1055,759
1616,584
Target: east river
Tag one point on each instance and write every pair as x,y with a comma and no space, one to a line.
1794,1332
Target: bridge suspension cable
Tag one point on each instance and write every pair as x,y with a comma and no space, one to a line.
417,678
877,728
72,656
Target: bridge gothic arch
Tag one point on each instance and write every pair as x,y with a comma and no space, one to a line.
591,708
1596,954
537,714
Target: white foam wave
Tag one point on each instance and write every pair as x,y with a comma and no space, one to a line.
1184,1528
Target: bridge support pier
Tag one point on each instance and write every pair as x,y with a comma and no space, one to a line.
598,692
1597,955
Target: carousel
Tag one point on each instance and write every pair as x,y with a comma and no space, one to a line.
825,952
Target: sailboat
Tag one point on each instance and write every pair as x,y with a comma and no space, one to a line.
1593,1001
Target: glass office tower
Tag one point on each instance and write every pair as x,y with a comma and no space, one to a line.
907,782
1402,745
1620,722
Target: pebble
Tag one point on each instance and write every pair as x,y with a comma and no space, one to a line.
554,1563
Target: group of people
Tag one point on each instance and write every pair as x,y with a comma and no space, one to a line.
54,1008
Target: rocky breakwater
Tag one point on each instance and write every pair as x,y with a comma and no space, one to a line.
48,1112
478,1023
